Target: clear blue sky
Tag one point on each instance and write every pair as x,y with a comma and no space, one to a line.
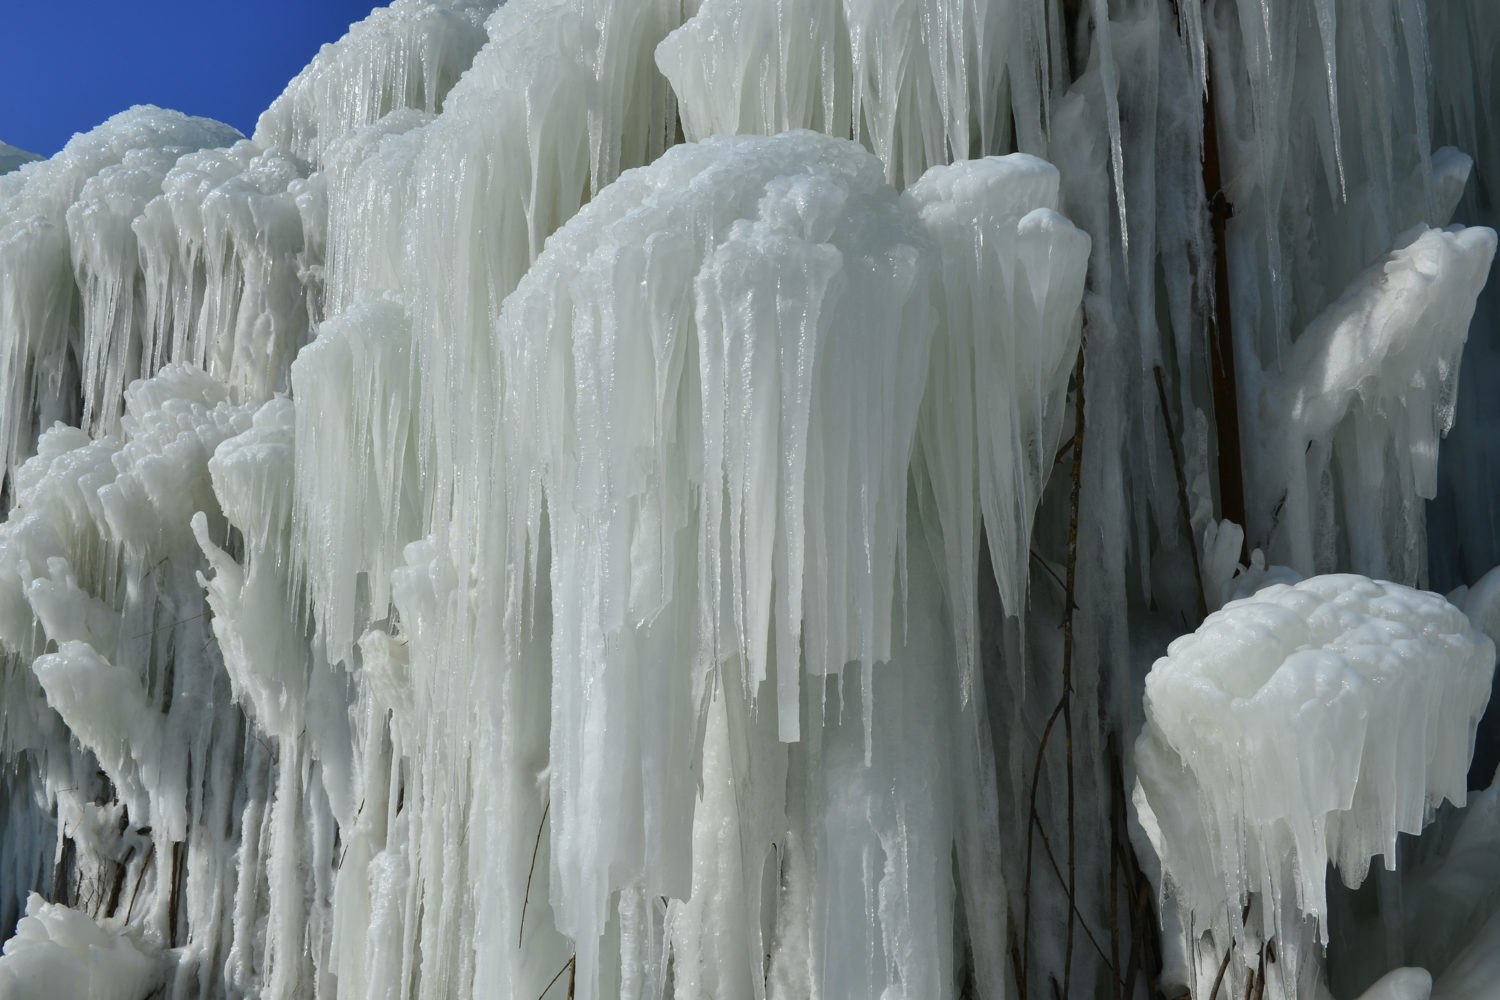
65,67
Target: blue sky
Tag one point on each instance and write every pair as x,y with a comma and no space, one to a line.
65,67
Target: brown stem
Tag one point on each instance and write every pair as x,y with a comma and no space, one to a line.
1221,343
1223,968
174,901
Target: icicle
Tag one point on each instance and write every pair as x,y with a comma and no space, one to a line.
992,415
353,518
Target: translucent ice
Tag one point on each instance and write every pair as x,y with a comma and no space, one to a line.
698,483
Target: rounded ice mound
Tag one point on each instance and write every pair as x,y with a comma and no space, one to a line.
1307,723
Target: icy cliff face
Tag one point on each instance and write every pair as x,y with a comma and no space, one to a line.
590,490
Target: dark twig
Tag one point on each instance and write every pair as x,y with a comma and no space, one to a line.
1114,907
1036,773
1140,913
1228,951
1015,962
174,901
568,968
117,884
1062,450
1049,570
1062,710
1144,930
535,848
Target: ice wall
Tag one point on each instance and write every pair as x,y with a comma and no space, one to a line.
671,498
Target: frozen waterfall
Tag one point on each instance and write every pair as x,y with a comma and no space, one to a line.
696,498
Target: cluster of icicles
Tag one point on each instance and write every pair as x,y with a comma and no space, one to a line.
541,509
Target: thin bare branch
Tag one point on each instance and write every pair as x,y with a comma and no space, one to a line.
567,967
535,848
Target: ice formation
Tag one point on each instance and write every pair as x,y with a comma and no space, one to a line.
1312,723
661,498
